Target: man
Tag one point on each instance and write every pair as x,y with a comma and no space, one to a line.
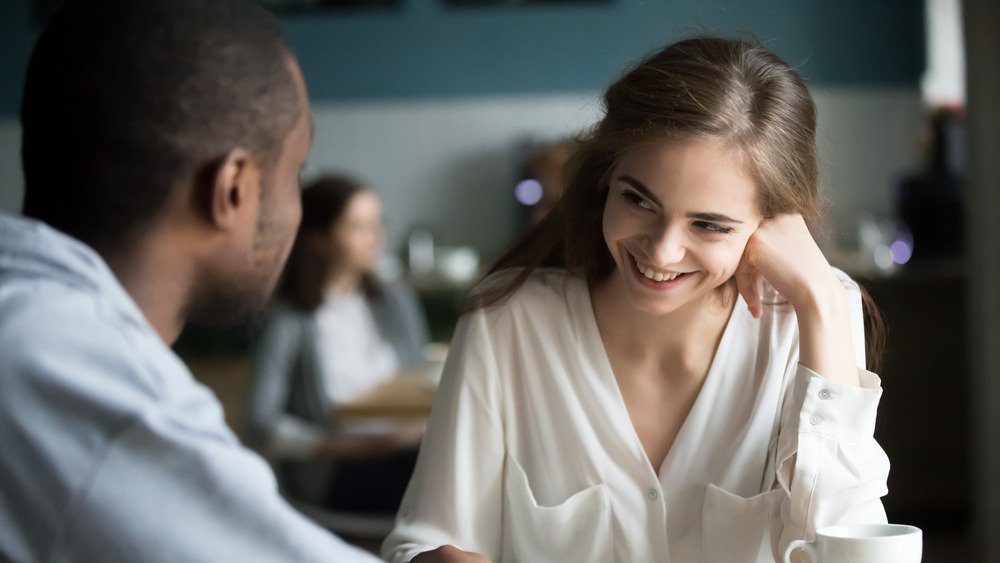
162,144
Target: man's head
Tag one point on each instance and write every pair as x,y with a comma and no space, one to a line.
133,109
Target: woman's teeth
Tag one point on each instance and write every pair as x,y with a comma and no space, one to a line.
654,275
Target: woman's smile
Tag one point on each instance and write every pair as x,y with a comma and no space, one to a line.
659,280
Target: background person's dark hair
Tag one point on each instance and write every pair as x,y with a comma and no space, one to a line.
124,97
324,202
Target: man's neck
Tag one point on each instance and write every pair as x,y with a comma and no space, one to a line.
158,279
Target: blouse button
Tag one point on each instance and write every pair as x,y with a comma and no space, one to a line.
652,493
815,420
824,394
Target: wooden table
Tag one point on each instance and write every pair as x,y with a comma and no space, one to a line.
408,396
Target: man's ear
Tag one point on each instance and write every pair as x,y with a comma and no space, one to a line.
232,185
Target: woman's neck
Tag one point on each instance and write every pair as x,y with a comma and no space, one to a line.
344,281
686,338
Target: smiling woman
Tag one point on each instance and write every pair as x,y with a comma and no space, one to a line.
666,367
676,221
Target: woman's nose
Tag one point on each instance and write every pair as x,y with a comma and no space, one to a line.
668,247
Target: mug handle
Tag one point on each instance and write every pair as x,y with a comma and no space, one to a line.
806,546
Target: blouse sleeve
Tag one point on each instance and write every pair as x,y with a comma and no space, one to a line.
828,463
278,434
454,496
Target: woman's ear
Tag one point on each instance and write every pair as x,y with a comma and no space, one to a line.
233,189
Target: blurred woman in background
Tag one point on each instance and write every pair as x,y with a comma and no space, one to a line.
334,333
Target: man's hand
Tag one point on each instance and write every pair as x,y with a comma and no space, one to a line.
449,554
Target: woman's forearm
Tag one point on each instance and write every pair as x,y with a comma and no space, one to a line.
826,344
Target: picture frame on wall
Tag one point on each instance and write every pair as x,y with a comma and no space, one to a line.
280,6
520,3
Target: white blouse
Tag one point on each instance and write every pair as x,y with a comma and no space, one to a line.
354,356
530,454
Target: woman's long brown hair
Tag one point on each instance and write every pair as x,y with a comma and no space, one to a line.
323,204
732,90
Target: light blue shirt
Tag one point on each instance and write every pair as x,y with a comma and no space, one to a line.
111,451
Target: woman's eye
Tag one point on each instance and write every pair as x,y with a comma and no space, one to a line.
637,200
713,228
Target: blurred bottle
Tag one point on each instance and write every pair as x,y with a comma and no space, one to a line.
420,252
931,203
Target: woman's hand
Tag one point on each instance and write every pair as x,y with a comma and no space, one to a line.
449,554
783,252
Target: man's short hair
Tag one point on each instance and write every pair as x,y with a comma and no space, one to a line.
125,97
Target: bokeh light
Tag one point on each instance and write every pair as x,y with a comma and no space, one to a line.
528,192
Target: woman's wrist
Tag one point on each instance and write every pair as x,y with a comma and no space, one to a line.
826,344
822,302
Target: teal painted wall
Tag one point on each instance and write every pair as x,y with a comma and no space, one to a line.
426,49
17,34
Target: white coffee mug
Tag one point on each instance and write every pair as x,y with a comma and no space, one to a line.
862,543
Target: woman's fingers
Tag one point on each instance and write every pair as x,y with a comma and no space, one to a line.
750,285
783,252
749,280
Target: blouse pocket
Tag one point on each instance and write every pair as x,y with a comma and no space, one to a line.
577,529
739,529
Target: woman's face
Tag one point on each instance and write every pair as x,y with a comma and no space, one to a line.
677,218
358,236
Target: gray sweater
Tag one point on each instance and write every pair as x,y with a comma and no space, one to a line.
287,385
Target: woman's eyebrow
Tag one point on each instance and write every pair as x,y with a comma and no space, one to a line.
701,216
714,217
639,187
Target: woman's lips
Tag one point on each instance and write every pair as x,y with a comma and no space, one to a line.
654,279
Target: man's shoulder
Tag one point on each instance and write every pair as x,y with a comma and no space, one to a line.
70,381
41,310
54,335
